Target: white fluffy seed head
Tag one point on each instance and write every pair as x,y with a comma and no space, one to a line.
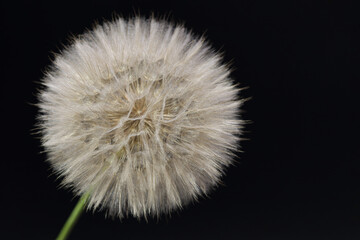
141,114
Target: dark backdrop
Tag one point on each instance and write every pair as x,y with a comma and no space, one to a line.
298,177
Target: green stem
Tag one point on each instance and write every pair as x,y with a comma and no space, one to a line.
73,218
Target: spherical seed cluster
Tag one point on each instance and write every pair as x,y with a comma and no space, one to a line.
140,113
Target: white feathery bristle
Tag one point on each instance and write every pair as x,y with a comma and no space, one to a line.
141,114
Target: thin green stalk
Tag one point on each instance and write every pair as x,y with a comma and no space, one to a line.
73,218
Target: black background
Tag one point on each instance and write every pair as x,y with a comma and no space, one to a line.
298,177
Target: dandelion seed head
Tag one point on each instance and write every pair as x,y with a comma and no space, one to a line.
142,114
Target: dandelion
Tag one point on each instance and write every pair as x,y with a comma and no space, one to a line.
140,115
